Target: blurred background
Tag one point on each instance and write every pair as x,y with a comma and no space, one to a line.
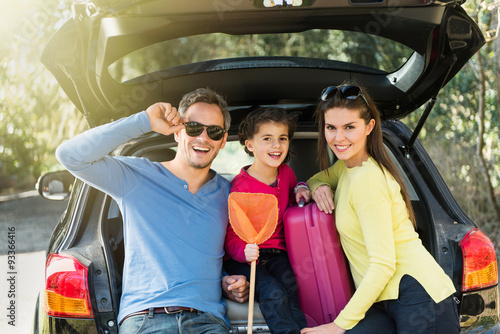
461,134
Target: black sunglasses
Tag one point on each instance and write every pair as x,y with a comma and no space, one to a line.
214,132
350,92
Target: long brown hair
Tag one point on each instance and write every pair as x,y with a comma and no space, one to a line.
374,143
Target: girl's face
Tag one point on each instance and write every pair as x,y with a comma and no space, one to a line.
346,133
269,145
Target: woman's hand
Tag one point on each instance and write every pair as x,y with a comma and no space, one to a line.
251,252
323,196
330,328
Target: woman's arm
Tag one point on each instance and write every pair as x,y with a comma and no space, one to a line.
371,202
321,185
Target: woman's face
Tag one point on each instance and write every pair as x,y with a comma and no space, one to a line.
346,133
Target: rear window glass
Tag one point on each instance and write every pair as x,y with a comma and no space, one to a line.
346,46
231,159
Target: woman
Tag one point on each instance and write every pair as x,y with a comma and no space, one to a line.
400,288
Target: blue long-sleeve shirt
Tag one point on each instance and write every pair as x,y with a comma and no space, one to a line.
173,239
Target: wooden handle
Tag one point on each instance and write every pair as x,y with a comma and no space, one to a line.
251,297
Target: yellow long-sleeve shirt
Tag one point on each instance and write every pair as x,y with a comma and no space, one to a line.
378,238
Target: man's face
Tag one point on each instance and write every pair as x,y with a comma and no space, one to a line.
199,151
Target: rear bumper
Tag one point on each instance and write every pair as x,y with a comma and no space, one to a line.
479,311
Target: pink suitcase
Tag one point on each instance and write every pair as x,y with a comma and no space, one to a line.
323,277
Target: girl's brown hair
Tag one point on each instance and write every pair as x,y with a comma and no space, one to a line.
374,143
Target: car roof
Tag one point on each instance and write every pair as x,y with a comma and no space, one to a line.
441,36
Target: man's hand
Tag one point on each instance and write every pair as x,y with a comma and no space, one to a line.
164,118
236,287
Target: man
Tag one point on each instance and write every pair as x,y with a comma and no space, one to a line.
175,214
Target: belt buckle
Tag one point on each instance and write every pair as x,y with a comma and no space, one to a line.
174,312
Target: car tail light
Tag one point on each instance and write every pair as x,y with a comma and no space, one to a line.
480,262
66,287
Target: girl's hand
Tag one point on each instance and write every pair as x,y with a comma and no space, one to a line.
303,193
251,252
330,328
323,196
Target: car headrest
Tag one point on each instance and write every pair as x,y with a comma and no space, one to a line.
164,154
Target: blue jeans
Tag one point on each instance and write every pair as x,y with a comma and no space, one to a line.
179,323
413,312
275,290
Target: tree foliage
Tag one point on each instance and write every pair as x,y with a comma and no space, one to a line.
452,132
35,114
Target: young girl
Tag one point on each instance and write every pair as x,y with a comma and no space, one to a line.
400,288
266,134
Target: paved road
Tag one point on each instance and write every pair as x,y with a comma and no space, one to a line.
33,218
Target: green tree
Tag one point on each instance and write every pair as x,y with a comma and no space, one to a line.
35,114
461,134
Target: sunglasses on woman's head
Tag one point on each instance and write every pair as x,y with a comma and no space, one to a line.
350,92
194,129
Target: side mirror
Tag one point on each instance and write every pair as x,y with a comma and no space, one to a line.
55,185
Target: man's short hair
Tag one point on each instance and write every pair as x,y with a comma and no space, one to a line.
206,95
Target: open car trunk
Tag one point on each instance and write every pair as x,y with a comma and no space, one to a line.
90,53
